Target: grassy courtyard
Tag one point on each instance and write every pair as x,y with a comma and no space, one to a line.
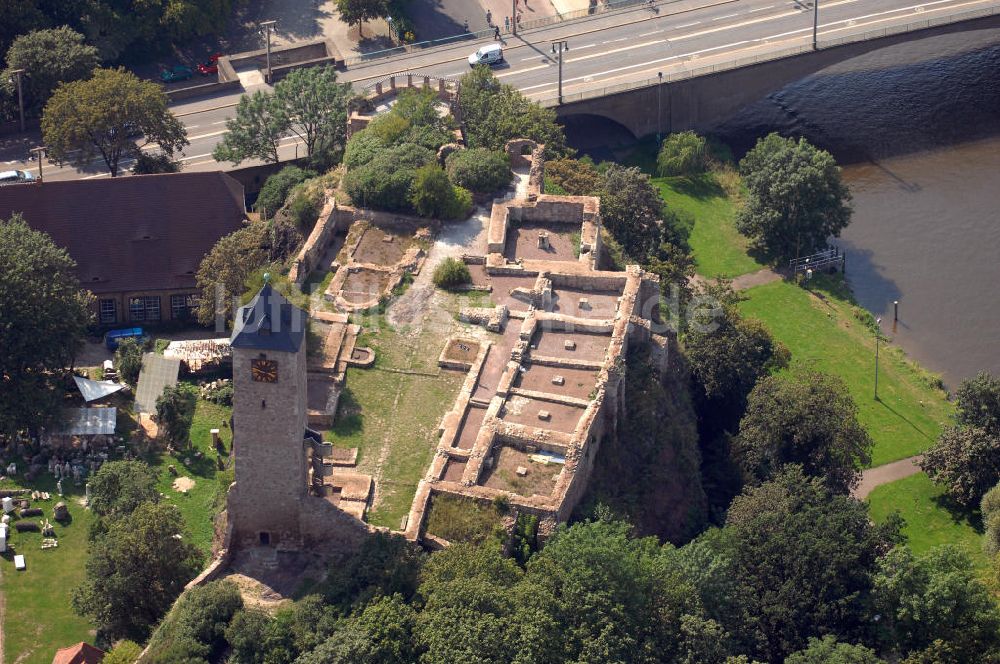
202,501
929,521
39,617
391,412
823,333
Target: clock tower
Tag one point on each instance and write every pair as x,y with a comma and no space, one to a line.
269,420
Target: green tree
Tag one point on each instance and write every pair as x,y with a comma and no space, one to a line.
803,562
989,507
936,597
683,153
795,200
451,273
829,651
599,595
432,193
45,316
362,147
572,177
274,193
135,570
149,164
195,630
966,460
101,116
728,355
494,113
124,652
385,564
358,11
382,633
386,182
175,411
255,131
128,359
118,488
631,210
806,418
479,170
49,57
978,401
225,271
314,106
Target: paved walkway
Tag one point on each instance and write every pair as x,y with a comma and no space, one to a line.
890,472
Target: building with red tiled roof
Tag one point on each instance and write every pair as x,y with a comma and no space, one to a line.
81,653
137,240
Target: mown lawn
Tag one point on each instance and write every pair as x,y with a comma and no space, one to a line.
202,502
39,614
821,331
718,248
391,413
929,521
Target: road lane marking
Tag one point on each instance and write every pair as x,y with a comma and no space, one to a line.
723,18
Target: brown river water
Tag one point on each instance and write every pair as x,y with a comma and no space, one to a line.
917,128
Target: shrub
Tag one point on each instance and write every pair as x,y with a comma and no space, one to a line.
275,190
124,652
451,273
385,181
304,204
681,154
175,411
148,164
427,136
431,192
362,148
128,359
479,169
196,627
388,128
460,205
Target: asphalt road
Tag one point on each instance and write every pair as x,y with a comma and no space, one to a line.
604,50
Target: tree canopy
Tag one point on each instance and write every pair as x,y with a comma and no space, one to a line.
136,569
795,200
102,116
45,317
806,418
978,403
684,153
495,113
118,488
309,103
966,460
631,210
49,57
356,12
175,412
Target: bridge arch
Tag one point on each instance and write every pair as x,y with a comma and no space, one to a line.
586,130
695,103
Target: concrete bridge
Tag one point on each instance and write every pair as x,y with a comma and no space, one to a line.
701,96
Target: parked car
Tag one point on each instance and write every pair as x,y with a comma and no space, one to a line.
210,66
490,54
15,177
176,73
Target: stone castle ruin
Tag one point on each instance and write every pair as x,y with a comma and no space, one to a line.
538,400
544,381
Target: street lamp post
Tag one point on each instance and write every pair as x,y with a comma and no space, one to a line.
513,17
815,24
16,75
659,108
267,25
557,49
878,330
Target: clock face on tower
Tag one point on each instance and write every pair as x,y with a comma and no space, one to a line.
264,371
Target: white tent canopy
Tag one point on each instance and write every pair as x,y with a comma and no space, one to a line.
92,390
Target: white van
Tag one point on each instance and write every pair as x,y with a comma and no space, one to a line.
14,177
490,54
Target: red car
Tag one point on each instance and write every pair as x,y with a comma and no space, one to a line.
211,66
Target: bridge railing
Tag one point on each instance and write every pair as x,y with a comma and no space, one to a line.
738,63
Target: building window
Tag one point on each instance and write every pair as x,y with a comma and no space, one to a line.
144,309
183,307
109,312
